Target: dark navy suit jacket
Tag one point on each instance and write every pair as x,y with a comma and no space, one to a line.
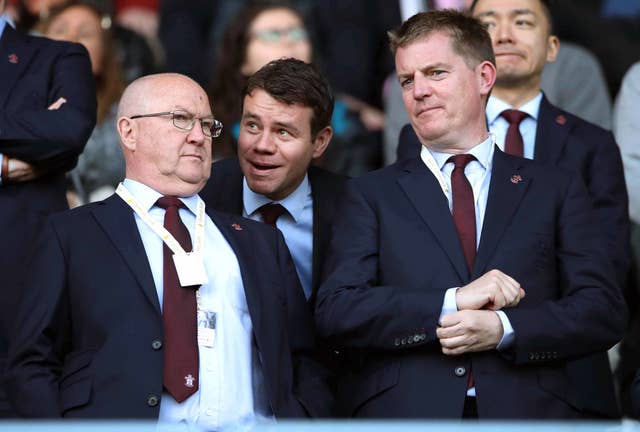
394,253
34,73
87,340
568,142
223,192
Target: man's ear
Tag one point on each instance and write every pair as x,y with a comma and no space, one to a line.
487,75
553,47
128,131
321,141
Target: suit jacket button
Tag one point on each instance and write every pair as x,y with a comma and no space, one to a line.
404,341
396,342
152,400
460,371
156,344
530,356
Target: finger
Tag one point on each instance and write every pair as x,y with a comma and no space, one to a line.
455,351
454,342
448,332
450,319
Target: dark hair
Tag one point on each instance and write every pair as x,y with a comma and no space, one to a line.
547,7
469,37
109,81
225,92
293,81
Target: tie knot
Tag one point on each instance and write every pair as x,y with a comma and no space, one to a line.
271,212
513,116
461,160
169,201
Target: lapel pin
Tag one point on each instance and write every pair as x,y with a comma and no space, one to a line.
13,59
561,119
515,179
237,227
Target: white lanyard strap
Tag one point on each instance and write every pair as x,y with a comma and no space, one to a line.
157,228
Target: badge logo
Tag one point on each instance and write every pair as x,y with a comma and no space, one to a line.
13,59
561,119
515,179
237,227
188,381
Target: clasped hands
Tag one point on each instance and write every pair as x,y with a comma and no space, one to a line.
476,326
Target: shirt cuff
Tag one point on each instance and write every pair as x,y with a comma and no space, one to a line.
508,334
1,157
449,304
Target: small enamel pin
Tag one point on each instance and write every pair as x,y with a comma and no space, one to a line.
515,179
237,227
561,119
189,381
13,59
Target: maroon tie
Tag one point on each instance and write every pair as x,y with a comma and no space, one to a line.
179,309
271,212
464,215
513,141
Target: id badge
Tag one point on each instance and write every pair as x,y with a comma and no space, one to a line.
206,328
190,268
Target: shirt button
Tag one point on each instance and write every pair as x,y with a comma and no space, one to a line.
460,371
209,412
152,400
156,344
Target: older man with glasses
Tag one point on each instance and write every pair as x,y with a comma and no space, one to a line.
146,305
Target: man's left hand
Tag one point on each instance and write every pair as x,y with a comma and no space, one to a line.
469,331
20,171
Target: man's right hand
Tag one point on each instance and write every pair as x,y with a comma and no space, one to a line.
494,290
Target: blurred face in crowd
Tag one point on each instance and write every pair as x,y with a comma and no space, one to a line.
444,96
35,7
157,153
80,24
275,146
520,32
274,34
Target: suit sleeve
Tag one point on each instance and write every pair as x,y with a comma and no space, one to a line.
353,309
52,139
35,353
310,373
588,314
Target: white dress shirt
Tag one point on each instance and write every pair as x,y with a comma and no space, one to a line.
231,385
499,125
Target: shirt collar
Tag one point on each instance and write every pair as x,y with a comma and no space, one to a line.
483,153
495,106
3,23
294,202
147,196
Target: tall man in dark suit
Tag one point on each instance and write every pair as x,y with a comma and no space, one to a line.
47,112
432,256
523,41
114,324
285,125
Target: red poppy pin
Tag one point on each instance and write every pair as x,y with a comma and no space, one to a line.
515,179
13,59
237,227
561,119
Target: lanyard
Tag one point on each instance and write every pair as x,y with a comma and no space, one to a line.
165,235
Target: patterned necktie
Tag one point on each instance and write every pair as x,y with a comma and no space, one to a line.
513,141
271,212
179,309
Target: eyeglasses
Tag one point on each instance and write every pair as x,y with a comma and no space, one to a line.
295,34
185,121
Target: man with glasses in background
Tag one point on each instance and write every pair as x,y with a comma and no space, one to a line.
150,276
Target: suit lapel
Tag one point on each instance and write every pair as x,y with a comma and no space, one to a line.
240,241
551,133
15,55
508,185
321,224
117,220
432,205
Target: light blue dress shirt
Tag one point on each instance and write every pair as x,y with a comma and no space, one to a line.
499,125
478,173
231,388
296,225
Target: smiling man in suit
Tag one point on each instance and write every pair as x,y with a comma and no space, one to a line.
47,112
460,283
285,125
212,323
